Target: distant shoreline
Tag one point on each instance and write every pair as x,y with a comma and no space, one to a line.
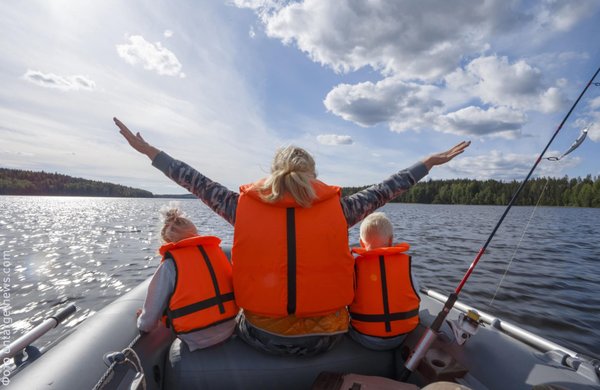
159,196
559,192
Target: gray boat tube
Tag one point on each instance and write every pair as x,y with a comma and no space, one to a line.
77,362
519,333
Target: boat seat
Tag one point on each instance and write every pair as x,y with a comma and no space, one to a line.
235,365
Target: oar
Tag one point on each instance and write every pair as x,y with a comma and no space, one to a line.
24,341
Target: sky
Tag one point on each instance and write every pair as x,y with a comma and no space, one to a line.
369,87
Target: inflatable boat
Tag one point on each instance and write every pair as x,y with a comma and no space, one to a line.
473,349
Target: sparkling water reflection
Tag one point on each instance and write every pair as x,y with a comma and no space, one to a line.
91,250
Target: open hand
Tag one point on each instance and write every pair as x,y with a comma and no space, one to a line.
136,141
444,157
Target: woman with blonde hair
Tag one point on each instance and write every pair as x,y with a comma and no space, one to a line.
292,268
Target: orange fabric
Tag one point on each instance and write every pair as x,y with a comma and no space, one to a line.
195,303
324,265
336,322
368,312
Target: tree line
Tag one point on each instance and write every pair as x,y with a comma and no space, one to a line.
21,182
574,192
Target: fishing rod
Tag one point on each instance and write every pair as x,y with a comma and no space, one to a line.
431,332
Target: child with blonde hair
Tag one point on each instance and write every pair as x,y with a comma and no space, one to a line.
191,290
386,305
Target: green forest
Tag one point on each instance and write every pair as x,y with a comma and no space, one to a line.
19,182
575,192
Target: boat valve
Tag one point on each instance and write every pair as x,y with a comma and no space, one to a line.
114,357
465,326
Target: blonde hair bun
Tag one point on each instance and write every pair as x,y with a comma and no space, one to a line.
176,225
292,171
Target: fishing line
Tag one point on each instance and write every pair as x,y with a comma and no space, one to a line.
574,146
518,244
430,334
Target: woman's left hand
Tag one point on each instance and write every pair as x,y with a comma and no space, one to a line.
444,157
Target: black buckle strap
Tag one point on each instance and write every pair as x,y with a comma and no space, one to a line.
291,259
201,305
384,294
213,276
401,315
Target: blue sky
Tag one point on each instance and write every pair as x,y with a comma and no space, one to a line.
369,87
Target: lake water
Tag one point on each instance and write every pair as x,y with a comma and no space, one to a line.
89,251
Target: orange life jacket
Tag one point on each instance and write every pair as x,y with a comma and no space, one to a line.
203,294
385,302
289,259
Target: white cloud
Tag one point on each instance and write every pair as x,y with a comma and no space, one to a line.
252,33
501,121
594,130
594,104
65,83
152,56
424,39
334,139
168,33
404,105
561,15
432,55
592,122
495,81
509,166
412,40
591,119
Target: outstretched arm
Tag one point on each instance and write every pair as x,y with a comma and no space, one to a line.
357,206
216,196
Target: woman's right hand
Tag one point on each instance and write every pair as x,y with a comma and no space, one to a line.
136,141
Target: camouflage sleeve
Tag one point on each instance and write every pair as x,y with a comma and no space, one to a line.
357,206
216,196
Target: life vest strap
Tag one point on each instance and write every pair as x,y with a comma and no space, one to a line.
384,294
402,315
213,277
291,259
201,305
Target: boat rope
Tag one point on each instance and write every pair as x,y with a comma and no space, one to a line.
518,244
127,355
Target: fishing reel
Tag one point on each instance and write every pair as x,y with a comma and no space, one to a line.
465,326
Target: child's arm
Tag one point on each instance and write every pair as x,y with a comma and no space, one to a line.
157,298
